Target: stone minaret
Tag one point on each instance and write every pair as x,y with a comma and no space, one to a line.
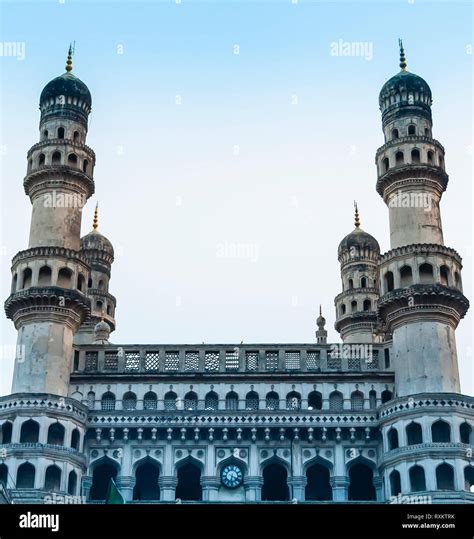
422,300
99,253
356,314
48,301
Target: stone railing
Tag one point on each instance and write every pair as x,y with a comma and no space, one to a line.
44,404
232,359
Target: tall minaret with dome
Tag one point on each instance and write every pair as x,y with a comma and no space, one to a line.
421,289
48,301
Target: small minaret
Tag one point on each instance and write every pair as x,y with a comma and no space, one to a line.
321,333
356,314
48,300
99,253
422,300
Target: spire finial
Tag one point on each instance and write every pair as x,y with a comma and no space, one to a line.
69,59
320,310
356,219
95,222
403,60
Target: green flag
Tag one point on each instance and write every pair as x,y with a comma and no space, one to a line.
113,493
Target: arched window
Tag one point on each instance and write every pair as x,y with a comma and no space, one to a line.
211,401
64,278
427,132
85,166
406,276
170,400
395,483
101,477
445,477
353,306
231,401
61,132
52,481
444,275
272,400
469,478
386,396
72,159
367,305
394,134
72,483
372,399
252,401
44,276
3,474
76,136
457,280
45,134
392,439
414,435
440,431
357,400
318,486
189,482
26,281
441,161
342,309
363,282
25,476
56,158
129,401
6,433
190,401
293,401
29,433
389,284
315,400
415,156
150,401
465,433
108,401
75,439
430,156
56,434
386,164
41,159
417,479
14,283
108,309
99,305
361,485
399,159
100,286
146,482
91,400
411,130
336,401
81,283
351,284
275,486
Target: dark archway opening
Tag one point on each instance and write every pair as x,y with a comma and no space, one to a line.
275,486
101,479
361,485
189,483
318,487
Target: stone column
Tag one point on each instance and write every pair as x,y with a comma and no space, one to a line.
297,486
125,484
378,483
86,486
210,488
340,487
253,488
167,486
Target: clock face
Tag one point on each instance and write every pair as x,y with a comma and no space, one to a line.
232,476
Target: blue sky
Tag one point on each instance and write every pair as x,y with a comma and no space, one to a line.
199,148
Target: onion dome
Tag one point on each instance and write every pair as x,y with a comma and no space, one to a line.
320,321
95,241
405,88
358,241
66,85
101,333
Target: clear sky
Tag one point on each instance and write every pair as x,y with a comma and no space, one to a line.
224,126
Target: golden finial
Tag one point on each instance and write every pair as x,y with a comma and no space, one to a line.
403,60
356,220
95,222
69,59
